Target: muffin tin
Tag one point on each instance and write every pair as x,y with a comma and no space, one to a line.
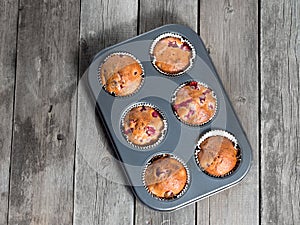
179,140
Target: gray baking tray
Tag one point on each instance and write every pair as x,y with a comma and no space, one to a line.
180,139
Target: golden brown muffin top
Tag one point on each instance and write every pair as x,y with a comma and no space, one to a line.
143,125
121,74
166,177
194,103
217,155
172,55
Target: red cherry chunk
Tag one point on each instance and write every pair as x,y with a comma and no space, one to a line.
155,114
150,130
172,44
202,98
185,46
194,84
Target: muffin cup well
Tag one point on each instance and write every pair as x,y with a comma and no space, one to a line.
163,132
124,54
174,97
160,156
223,134
184,40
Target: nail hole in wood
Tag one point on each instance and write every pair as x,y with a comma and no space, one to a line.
60,137
50,108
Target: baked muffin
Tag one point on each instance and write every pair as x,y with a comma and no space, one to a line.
165,177
194,103
143,125
217,156
172,55
121,74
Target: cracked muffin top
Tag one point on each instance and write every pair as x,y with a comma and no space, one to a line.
165,177
143,125
172,55
194,104
121,74
217,156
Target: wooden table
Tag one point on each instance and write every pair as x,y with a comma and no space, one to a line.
48,124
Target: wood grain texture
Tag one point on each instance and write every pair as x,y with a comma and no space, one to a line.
44,128
154,14
8,36
280,110
230,32
41,186
157,13
100,194
105,23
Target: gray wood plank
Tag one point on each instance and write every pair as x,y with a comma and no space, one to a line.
100,194
153,14
230,31
41,186
8,34
280,110
157,13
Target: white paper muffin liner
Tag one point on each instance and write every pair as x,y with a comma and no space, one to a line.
163,132
222,133
165,155
174,97
125,54
166,35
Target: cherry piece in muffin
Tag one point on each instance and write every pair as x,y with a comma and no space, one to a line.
165,177
143,125
194,103
121,74
172,55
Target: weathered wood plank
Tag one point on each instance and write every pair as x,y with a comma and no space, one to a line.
157,13
100,194
8,36
280,110
154,14
104,23
41,186
230,31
